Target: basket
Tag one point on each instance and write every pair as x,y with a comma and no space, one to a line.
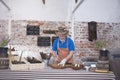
23,66
35,64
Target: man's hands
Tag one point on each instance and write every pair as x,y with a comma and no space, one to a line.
62,63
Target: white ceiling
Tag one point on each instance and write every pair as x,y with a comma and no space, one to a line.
60,10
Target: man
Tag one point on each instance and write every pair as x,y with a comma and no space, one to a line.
63,47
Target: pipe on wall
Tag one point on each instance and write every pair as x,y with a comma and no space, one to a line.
5,5
76,7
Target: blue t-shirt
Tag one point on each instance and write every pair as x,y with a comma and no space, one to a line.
58,44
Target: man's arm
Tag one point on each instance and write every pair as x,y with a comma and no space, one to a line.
54,54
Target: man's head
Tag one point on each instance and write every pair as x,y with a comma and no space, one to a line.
62,33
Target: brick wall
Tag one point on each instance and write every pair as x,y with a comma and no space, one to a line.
83,45
109,31
4,26
27,43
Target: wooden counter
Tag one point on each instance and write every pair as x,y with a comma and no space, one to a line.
54,74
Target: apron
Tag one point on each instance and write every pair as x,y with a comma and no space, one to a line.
63,53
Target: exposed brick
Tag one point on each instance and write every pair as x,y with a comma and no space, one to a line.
109,31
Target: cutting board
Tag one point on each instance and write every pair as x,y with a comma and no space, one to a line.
56,66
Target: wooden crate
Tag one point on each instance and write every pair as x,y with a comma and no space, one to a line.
34,63
36,66
4,60
4,63
18,66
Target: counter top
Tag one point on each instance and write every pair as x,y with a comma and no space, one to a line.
54,74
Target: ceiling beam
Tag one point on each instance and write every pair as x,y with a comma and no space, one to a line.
43,1
5,5
78,4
